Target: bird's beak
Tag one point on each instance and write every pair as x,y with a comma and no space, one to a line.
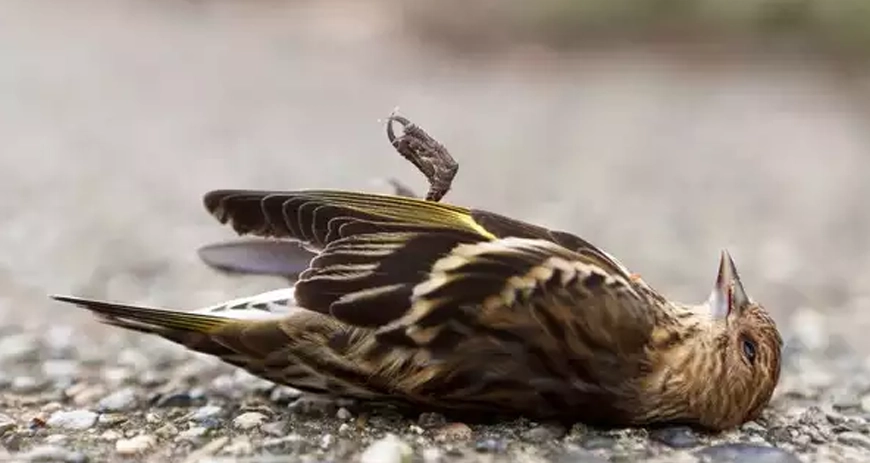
728,291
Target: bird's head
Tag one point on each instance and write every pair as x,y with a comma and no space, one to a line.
739,365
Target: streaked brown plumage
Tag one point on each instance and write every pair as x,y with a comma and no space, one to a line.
451,308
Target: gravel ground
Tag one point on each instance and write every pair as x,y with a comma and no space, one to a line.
117,116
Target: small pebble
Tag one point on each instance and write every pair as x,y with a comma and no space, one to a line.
167,430
83,394
192,434
51,407
736,453
752,427
72,420
678,437
111,419
574,454
249,420
7,423
134,445
432,455
314,406
416,429
453,432
206,412
390,449
52,453
111,435
284,394
544,433
343,414
275,428
118,401
490,446
287,443
597,442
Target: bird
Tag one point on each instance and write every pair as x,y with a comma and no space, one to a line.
459,309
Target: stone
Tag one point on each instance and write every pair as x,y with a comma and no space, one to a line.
390,449
73,420
544,433
206,412
52,453
490,446
249,420
135,445
192,434
678,437
736,453
284,394
7,423
121,400
454,432
277,428
111,419
343,414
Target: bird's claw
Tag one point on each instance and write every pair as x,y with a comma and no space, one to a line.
429,157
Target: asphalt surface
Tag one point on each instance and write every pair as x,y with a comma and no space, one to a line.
116,117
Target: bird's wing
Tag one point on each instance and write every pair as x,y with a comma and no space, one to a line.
513,322
317,217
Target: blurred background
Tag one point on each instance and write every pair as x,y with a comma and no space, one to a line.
661,130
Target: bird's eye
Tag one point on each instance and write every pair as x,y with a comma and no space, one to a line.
749,349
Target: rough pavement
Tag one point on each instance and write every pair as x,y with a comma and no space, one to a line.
115,119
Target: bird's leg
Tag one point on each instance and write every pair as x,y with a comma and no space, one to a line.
428,156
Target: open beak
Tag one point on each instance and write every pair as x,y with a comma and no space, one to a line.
728,291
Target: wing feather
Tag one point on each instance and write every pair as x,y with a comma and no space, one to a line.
319,217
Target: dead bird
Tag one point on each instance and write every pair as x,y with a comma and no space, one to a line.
459,309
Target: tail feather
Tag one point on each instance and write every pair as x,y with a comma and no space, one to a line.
191,330
148,319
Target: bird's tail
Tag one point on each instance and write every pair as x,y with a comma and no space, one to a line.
266,334
193,330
